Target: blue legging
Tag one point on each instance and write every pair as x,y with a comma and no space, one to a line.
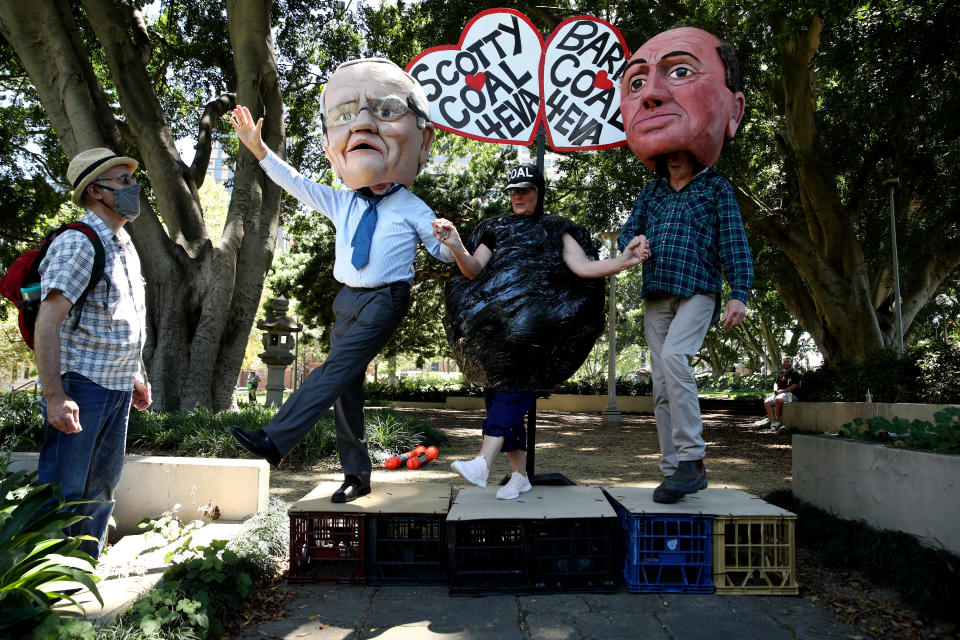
506,417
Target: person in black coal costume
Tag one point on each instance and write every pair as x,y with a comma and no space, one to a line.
523,315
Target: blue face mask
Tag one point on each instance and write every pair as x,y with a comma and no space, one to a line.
126,201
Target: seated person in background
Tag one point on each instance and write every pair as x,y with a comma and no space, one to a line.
784,388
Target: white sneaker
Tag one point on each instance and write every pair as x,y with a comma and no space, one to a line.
474,471
518,484
775,424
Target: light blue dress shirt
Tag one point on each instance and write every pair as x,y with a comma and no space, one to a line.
403,221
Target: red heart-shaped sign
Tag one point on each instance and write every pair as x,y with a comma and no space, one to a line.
569,84
601,81
476,81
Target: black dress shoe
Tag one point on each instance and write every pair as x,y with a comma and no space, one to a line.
351,489
258,443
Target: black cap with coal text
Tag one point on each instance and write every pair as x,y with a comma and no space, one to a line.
524,176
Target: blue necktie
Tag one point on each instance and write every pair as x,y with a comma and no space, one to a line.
368,222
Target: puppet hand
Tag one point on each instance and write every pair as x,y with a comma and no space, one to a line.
249,131
734,313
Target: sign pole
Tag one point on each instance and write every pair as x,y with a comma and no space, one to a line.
541,146
499,80
532,413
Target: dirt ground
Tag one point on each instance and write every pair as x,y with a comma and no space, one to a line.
741,454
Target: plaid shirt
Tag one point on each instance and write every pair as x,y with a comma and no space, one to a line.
106,346
692,232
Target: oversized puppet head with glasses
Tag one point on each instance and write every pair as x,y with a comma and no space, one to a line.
377,125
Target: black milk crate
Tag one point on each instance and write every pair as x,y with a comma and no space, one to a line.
573,555
407,549
666,553
488,557
327,548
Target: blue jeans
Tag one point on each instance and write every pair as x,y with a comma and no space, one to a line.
87,464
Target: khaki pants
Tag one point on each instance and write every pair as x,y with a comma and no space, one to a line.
675,328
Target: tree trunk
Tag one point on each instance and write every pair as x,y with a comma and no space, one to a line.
715,364
830,291
201,298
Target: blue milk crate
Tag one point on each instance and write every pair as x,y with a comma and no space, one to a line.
666,553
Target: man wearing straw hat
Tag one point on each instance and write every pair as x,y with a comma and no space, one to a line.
91,371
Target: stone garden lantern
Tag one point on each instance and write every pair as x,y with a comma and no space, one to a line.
278,343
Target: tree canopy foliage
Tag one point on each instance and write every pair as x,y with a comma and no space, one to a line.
840,97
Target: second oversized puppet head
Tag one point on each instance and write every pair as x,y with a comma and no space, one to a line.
681,91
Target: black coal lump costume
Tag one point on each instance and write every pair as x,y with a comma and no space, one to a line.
526,323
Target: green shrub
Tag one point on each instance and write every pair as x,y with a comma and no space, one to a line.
388,432
940,365
199,591
422,388
164,612
204,433
216,577
925,373
264,539
166,529
22,418
198,432
127,629
758,383
37,558
941,436
585,386
206,586
634,384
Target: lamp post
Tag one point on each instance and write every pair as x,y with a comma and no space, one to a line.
611,415
892,183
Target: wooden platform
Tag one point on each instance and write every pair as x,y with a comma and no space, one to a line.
731,503
423,498
540,503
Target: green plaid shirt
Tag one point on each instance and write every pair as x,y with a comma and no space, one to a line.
692,233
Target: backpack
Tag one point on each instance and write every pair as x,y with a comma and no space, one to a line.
21,283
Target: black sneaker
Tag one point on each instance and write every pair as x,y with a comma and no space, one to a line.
689,478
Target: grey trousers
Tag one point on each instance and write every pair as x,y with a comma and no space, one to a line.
675,328
365,320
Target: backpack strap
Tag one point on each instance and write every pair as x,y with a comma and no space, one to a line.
99,261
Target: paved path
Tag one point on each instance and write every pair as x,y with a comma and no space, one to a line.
415,613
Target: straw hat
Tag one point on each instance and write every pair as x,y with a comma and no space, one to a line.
87,166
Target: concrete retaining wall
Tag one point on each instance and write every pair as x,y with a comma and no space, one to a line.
886,487
828,417
150,485
566,402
